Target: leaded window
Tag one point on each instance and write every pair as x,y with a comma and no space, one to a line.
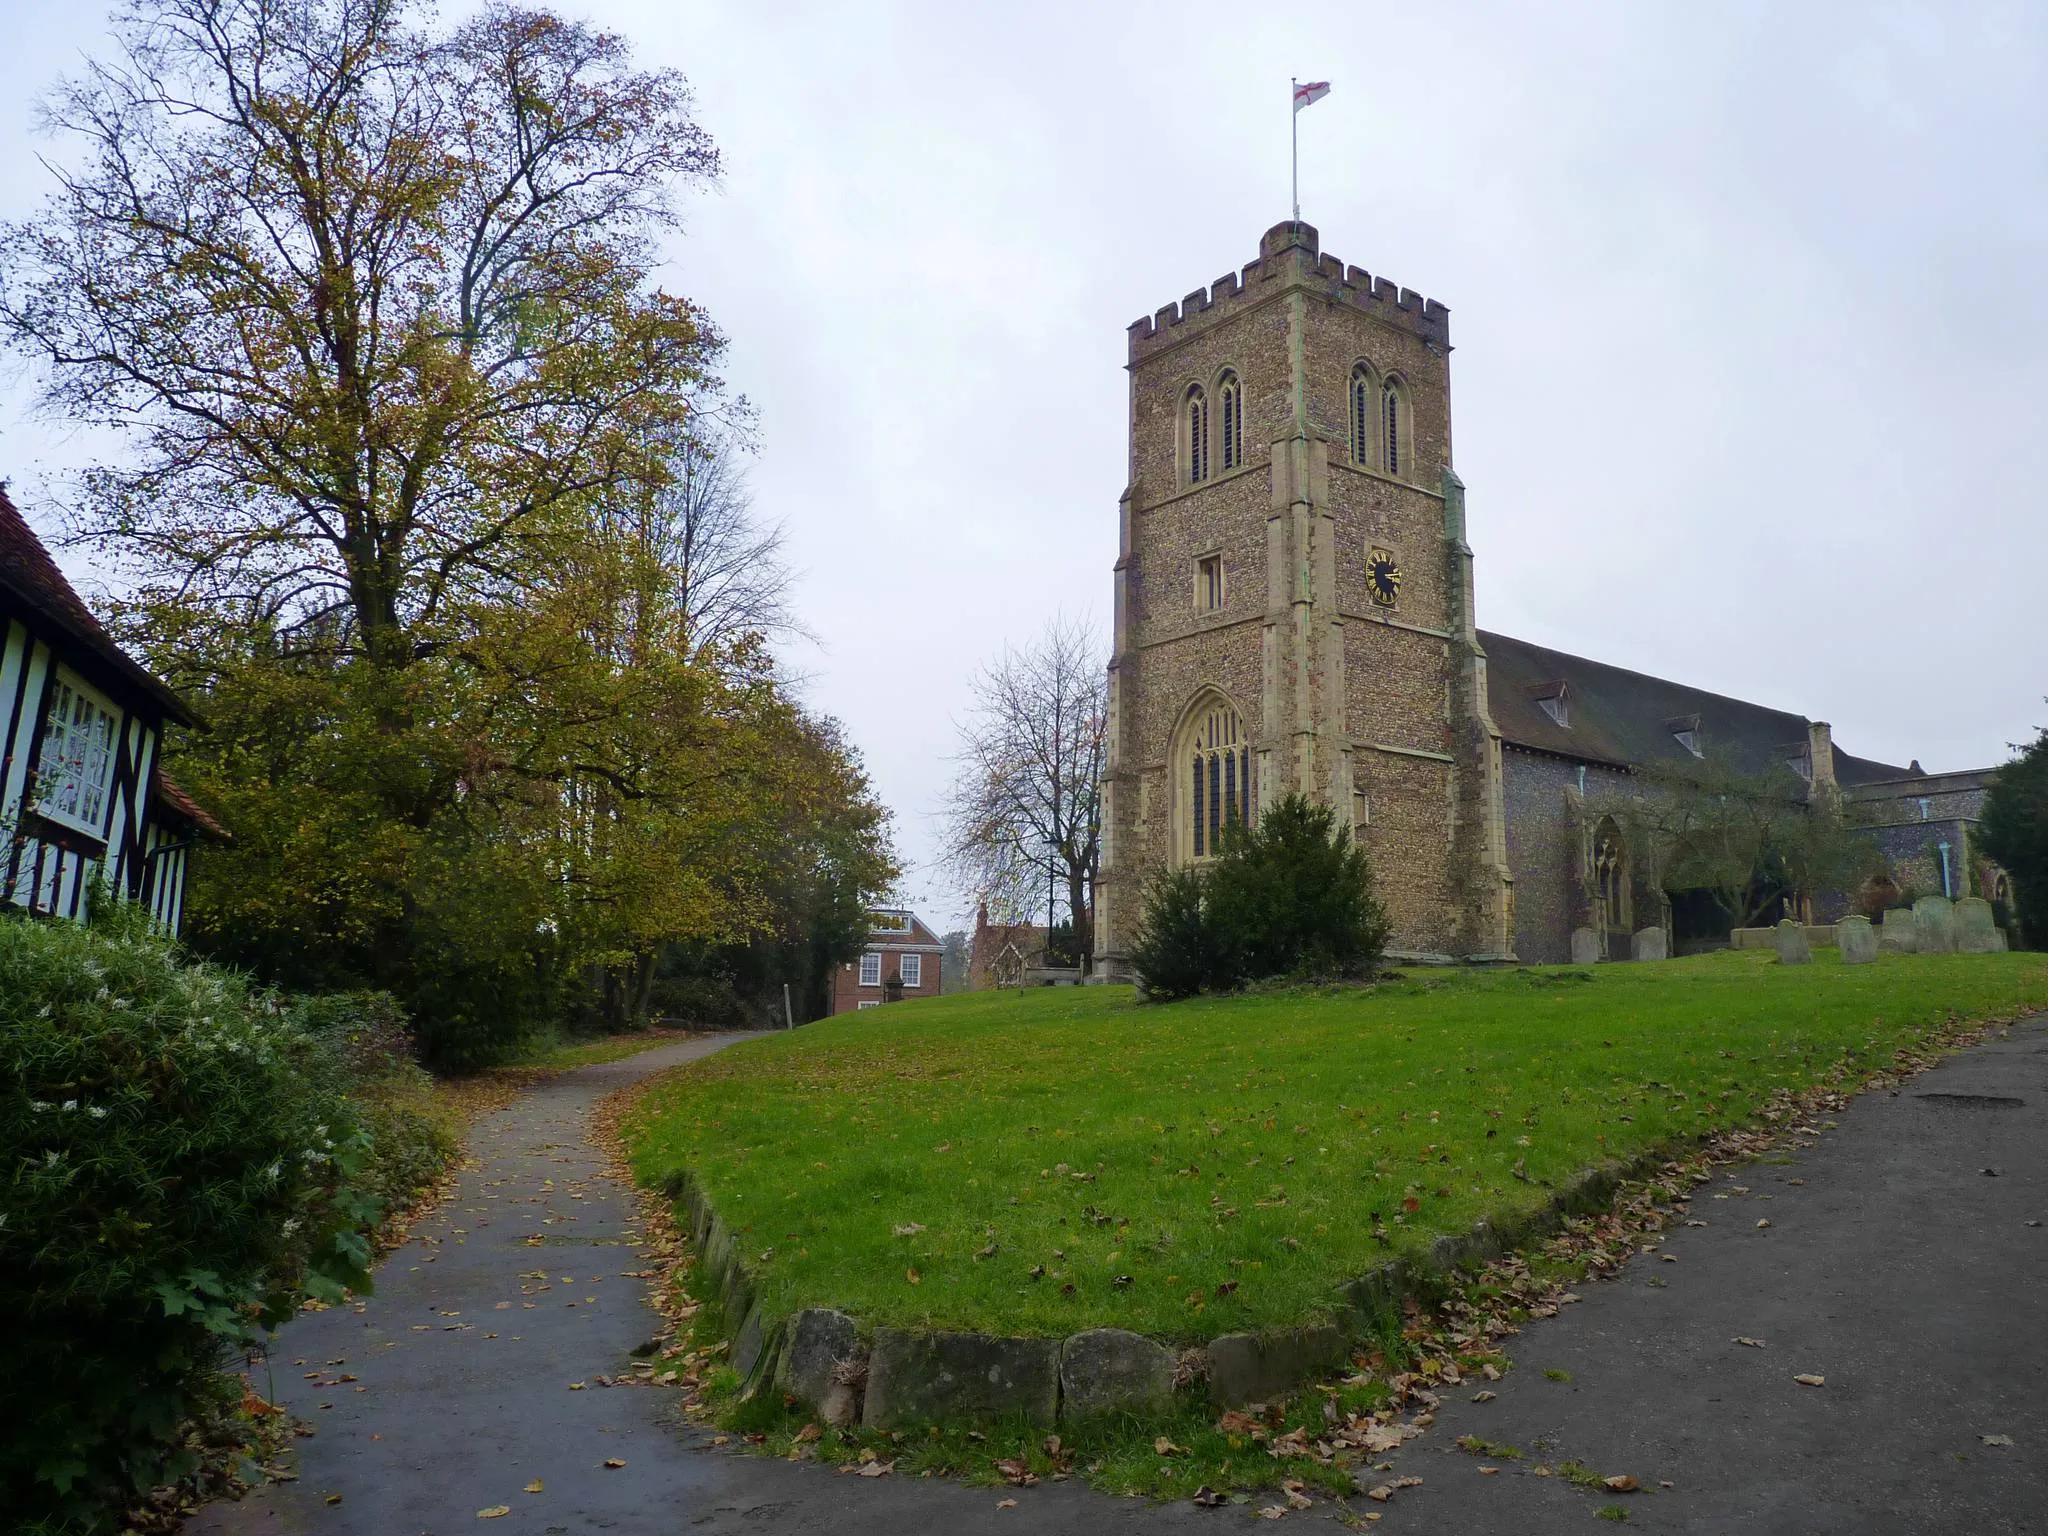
1361,415
75,768
1219,768
1394,457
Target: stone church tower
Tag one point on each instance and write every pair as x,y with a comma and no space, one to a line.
1294,598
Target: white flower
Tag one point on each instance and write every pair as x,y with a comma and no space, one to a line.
273,1170
291,1226
40,1106
70,1104
52,1158
98,1111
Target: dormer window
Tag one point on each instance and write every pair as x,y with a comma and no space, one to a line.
1685,730
1555,700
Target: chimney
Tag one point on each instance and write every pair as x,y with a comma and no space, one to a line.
1820,758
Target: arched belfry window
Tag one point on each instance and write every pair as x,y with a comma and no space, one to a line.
1364,415
1394,437
1230,421
1216,767
1196,428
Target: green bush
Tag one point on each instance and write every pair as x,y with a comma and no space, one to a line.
180,1170
366,1046
1289,897
2015,833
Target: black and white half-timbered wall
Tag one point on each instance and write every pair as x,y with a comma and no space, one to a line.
82,795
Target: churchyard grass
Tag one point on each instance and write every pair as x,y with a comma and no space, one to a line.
1046,1161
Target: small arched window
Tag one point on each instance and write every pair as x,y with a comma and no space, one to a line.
1364,408
1394,452
1230,419
1196,427
1218,762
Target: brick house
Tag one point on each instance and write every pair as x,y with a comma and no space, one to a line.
1000,952
901,960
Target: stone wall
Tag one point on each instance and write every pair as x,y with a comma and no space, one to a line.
1350,700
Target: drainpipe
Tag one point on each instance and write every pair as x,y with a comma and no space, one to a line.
1946,888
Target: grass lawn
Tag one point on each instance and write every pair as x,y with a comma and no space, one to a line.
1041,1162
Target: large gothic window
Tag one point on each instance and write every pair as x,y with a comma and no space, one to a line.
1216,759
1230,421
1364,407
1196,430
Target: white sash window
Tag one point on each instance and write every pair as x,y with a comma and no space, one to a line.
912,970
871,970
76,766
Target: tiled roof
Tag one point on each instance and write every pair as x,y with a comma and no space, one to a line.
1627,718
31,577
169,797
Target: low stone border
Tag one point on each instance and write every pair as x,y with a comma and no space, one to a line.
899,1376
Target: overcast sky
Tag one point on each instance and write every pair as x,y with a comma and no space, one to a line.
1748,300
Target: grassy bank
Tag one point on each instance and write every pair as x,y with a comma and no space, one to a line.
1048,1161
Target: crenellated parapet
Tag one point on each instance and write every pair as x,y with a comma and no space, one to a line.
1290,257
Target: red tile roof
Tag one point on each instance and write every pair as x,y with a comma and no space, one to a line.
31,577
169,797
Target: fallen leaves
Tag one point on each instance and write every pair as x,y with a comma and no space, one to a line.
1996,1439
614,1462
1745,1339
1208,1498
494,1512
1017,1474
1622,1482
907,1229
1811,1381
1165,1447
911,1276
877,1469
536,1486
1006,1503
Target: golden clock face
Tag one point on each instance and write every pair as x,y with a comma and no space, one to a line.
1383,577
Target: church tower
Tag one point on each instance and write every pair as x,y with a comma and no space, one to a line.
1294,599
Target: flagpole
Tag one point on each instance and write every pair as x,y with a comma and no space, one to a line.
1294,137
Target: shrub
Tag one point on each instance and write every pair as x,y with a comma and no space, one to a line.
179,1171
1172,955
2015,833
1290,897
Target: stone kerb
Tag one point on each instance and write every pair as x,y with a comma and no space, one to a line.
1976,928
1857,940
1896,935
911,1376
1934,925
1792,946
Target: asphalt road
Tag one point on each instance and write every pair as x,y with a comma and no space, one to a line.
1897,1269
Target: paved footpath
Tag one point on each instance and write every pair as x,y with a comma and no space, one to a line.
1895,1268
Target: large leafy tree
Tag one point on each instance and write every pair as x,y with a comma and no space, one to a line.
372,299
1746,839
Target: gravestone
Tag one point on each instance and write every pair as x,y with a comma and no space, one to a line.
1585,947
1650,944
1976,931
1857,940
1790,939
1897,936
1934,926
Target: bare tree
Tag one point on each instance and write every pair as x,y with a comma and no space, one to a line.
730,575
1026,801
